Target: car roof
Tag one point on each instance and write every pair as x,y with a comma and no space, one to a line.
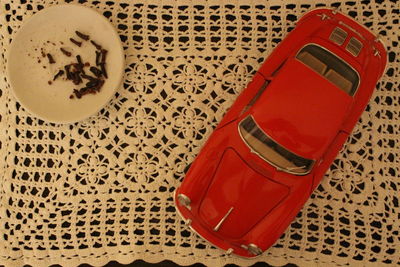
301,110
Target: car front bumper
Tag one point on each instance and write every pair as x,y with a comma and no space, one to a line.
197,227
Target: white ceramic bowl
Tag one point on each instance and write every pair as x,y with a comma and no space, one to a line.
29,72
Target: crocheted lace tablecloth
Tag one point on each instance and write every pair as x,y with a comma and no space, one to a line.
101,189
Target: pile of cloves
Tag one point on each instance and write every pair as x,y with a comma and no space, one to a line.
75,71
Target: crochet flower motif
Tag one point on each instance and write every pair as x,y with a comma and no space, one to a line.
189,76
144,73
352,172
189,123
142,168
89,171
140,122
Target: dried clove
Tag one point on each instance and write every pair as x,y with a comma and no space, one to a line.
51,59
65,52
98,47
77,94
75,42
83,91
75,71
76,78
67,70
99,85
103,69
79,59
80,64
103,55
83,36
88,77
58,74
92,83
96,71
98,57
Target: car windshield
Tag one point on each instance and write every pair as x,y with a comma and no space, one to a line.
330,67
271,151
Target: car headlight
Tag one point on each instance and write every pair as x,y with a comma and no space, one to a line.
253,249
184,201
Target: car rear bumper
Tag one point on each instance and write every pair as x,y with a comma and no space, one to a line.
352,24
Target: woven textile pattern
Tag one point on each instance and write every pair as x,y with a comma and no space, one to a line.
101,189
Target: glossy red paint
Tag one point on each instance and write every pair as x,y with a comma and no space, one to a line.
238,200
237,192
297,113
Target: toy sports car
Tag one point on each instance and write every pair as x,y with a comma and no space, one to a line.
276,142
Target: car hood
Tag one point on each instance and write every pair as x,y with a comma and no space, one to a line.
301,110
238,197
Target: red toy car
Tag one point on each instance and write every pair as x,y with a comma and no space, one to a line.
276,142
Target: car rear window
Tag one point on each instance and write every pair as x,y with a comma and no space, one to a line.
330,67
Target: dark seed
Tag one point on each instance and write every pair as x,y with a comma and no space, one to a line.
51,59
103,54
79,78
83,36
78,58
92,83
88,77
75,67
49,82
65,52
75,42
103,69
80,65
98,55
100,85
67,70
58,74
77,93
96,71
98,47
76,79
71,96
85,90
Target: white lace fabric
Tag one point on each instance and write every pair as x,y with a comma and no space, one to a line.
101,189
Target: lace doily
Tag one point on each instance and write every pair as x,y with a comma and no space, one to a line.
101,189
